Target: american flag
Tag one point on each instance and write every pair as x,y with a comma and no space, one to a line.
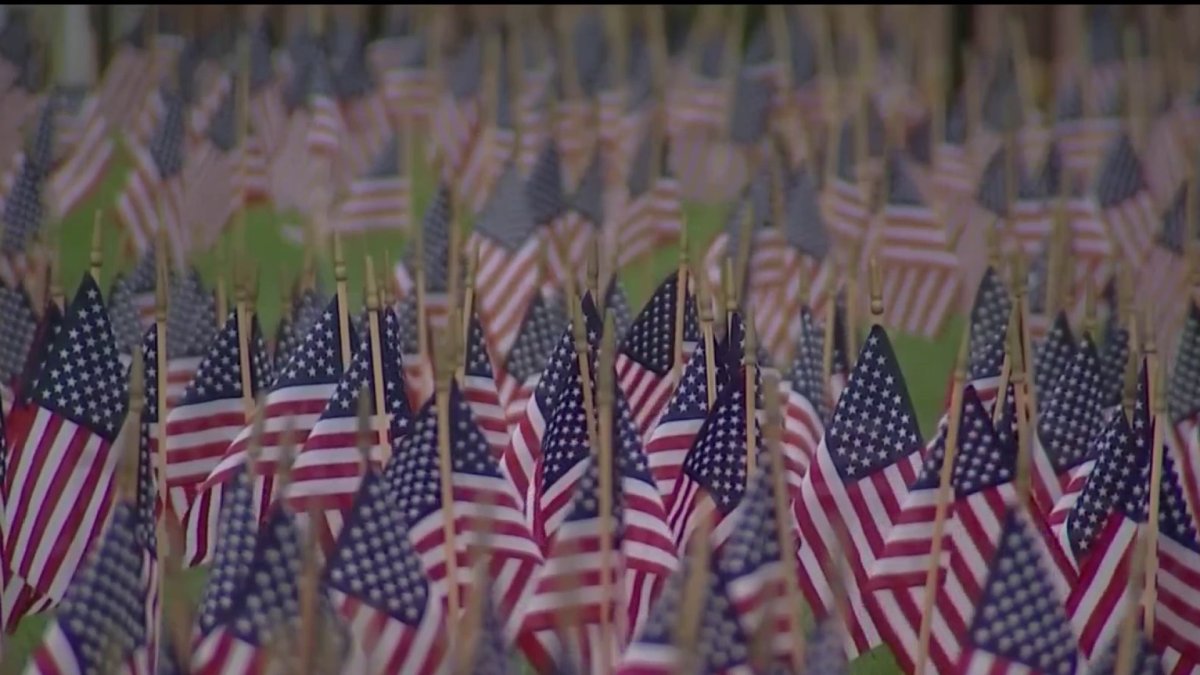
721,645
493,147
492,655
544,322
456,116
1052,357
418,367
807,404
102,623
486,511
870,453
754,563
1101,532
326,128
572,581
79,401
206,420
1183,399
21,220
653,212
1071,417
1146,658
766,259
1126,203
684,415
479,388
191,327
17,334
214,173
918,263
1176,623
268,116
435,245
233,553
378,200
981,481
544,190
646,358
326,474
952,171
714,474
1114,355
847,208
132,303
80,174
296,401
155,180
988,335
1166,269
1018,624
260,616
506,280
376,581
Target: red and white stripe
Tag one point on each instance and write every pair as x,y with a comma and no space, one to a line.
1100,601
409,91
80,174
919,269
866,510
846,211
138,206
802,433
326,128
391,646
505,283
646,391
1132,225
268,118
455,126
59,493
375,203
484,399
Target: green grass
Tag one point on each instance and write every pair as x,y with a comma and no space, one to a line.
278,261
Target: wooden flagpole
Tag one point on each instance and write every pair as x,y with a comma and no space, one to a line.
382,416
604,460
585,374
942,507
695,594
681,284
445,373
1158,402
339,275
1026,420
1025,347
830,333
706,331
750,357
783,519
245,314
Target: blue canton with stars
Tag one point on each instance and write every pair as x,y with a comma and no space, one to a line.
1146,660
755,541
219,376
544,322
689,401
1053,356
237,532
478,363
1183,385
717,459
318,358
807,377
1072,414
1020,616
373,560
651,338
84,380
989,327
873,425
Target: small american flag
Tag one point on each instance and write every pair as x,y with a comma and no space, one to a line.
261,614
1183,398
16,337
1177,625
132,302
653,212
847,208
1146,658
207,419
806,406
753,563
988,335
326,128
51,517
857,480
1019,624
157,180
1053,356
1126,203
544,322
376,581
713,478
191,328
506,280
296,401
326,473
1071,417
456,118
380,199
435,241
1114,355
233,553
80,174
1101,532
102,624
21,221
479,388
982,484
486,508
1166,270
647,355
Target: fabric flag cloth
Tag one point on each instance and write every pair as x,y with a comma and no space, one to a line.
714,475
572,581
988,337
981,481
292,408
1019,624
486,511
258,627
847,209
21,219
1101,532
1070,419
153,197
376,582
326,473
480,389
102,625
1183,402
209,417
856,482
191,327
58,483
378,200
646,357
17,334
1126,202
540,329
755,565
806,404
435,256
233,553
1052,357
559,380
681,421
132,302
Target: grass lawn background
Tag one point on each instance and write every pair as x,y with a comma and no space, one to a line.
278,260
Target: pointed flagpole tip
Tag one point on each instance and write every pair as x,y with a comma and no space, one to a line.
97,253
339,259
876,288
730,286
372,285
1149,333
